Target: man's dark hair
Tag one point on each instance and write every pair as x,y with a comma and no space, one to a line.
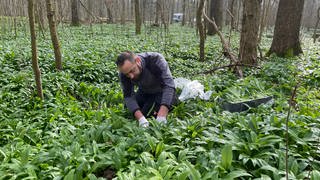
126,55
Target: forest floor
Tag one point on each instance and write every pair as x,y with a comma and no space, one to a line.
81,129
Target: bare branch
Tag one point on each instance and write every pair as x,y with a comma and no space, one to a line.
225,46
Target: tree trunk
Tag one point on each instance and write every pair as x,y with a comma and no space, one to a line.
137,15
239,5
216,11
123,13
35,65
108,4
286,41
183,13
156,22
314,36
265,10
75,21
162,15
172,11
232,10
89,5
249,32
54,35
200,27
60,12
39,16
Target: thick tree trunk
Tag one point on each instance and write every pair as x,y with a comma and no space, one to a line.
215,11
75,21
249,31
54,35
137,15
200,27
286,41
35,65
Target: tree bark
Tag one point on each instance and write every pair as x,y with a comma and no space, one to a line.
286,41
75,21
137,15
54,35
108,4
158,6
232,10
249,32
215,11
200,27
172,11
162,15
35,65
265,10
89,5
39,16
183,13
314,36
123,13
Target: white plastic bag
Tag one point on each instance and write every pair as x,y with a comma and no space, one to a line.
191,89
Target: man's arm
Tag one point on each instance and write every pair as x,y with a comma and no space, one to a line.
129,98
131,102
161,68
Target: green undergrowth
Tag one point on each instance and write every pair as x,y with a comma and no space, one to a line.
82,130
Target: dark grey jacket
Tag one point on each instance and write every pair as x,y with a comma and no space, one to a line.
154,78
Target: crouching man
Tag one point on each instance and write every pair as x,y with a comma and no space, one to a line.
156,92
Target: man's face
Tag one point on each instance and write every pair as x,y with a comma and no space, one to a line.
131,69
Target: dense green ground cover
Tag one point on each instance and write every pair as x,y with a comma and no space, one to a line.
81,129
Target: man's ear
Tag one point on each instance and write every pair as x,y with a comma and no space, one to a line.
138,60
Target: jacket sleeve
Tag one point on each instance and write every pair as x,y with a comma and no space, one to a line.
128,94
160,67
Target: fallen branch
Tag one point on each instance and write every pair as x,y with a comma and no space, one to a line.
228,66
225,46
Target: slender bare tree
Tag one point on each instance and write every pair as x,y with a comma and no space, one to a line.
123,12
158,6
200,27
137,15
265,10
184,4
35,65
54,35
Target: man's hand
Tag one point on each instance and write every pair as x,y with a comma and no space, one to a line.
162,114
143,122
163,111
138,114
161,119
